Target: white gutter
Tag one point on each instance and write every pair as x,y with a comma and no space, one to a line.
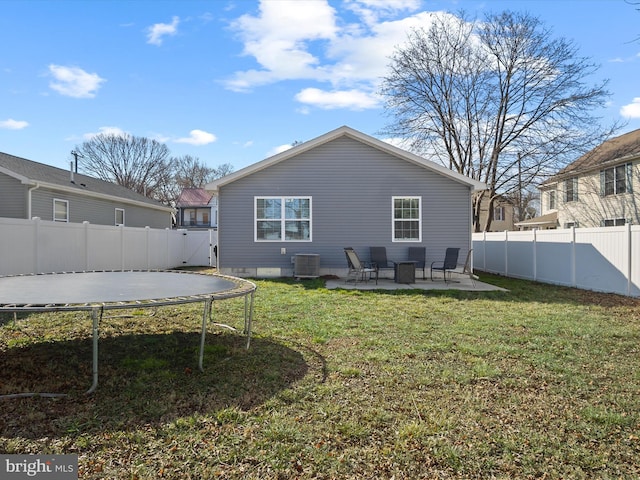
35,187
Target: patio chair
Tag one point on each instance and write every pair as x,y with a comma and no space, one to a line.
358,269
449,264
418,255
379,259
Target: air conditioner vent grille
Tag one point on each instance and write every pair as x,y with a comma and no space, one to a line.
307,265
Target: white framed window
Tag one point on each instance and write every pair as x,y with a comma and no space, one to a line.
498,214
119,221
407,219
616,180
282,219
60,210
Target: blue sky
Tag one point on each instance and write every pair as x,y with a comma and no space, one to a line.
236,81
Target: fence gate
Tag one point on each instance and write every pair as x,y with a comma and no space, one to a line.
198,248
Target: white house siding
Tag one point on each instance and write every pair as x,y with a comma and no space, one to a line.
351,185
591,209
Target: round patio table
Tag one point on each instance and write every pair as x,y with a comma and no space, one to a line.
97,291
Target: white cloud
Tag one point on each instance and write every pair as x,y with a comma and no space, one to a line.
631,110
116,131
279,149
158,31
74,82
349,99
11,124
309,41
198,137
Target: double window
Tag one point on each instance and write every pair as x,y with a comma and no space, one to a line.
498,214
283,219
407,219
616,180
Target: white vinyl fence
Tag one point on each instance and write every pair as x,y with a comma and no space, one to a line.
40,246
600,259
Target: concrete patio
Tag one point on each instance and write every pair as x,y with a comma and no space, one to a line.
459,283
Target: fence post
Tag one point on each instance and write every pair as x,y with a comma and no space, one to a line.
506,253
36,244
86,245
535,254
573,257
629,249
147,231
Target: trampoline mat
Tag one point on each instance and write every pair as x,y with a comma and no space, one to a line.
107,287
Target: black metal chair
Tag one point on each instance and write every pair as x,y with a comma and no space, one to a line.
358,270
379,259
448,265
419,256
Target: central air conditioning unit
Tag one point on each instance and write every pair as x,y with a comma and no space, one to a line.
306,265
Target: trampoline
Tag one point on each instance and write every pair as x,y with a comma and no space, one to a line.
97,291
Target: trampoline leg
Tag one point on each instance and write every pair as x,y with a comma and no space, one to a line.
96,316
248,317
205,316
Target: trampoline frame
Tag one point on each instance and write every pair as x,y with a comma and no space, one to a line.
243,288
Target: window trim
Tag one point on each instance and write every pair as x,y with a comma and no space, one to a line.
283,219
66,204
501,216
116,217
393,219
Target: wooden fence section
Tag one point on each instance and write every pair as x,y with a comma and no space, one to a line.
601,259
40,246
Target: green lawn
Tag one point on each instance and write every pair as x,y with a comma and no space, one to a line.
539,382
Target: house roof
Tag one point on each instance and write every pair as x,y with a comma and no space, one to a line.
34,173
548,219
619,149
193,197
349,132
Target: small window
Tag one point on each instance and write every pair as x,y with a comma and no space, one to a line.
571,190
407,219
119,217
571,224
498,214
552,200
60,210
283,219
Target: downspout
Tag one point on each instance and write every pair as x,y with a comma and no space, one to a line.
29,202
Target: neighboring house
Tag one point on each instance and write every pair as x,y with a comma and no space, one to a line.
599,189
342,189
503,214
197,209
30,189
548,221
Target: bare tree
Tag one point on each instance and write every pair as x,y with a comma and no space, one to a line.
189,172
137,163
501,100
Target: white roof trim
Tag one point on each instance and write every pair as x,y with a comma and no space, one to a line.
349,132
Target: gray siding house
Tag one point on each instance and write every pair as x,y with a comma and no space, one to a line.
30,189
342,189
